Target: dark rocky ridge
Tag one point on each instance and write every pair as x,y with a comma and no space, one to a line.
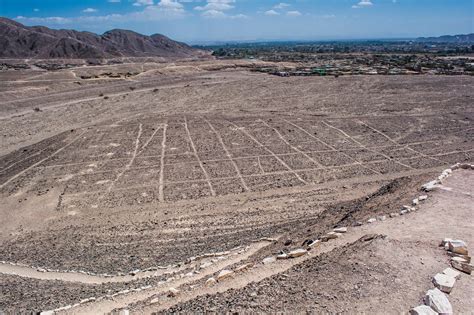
20,41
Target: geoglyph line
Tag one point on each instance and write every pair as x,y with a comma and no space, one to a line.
289,144
228,155
161,196
330,146
363,146
213,193
134,155
396,143
244,131
41,161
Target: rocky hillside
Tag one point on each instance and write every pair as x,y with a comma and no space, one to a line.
20,41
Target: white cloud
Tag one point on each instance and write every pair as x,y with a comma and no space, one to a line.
113,1
281,5
293,13
51,19
271,12
164,10
170,5
363,4
139,3
89,10
216,5
213,14
36,10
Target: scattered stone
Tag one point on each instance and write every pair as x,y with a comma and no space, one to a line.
444,282
371,220
205,264
430,185
382,218
134,272
315,243
405,207
288,242
227,273
438,301
393,215
422,197
330,236
422,310
461,264
297,253
243,267
340,230
465,257
173,292
124,312
210,282
458,247
282,256
415,201
465,166
452,273
268,260
403,212
358,223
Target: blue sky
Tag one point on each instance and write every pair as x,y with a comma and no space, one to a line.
197,21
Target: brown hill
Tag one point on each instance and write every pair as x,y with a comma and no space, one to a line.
20,41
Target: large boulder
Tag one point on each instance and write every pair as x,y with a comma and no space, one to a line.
458,247
422,310
438,301
444,282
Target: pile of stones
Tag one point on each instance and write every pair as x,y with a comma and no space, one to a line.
436,300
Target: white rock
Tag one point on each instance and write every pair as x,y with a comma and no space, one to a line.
462,265
268,260
340,230
225,274
124,312
210,282
382,218
438,301
458,247
403,212
173,292
282,256
444,282
371,220
393,215
455,166
422,310
47,313
297,253
422,197
314,243
415,201
430,185
206,264
452,273
243,267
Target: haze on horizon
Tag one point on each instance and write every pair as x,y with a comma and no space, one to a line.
198,21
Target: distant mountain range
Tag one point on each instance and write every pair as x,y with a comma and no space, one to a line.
20,41
460,39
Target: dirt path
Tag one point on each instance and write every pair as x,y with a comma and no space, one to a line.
442,215
107,305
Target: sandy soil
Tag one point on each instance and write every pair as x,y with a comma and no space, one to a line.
117,173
